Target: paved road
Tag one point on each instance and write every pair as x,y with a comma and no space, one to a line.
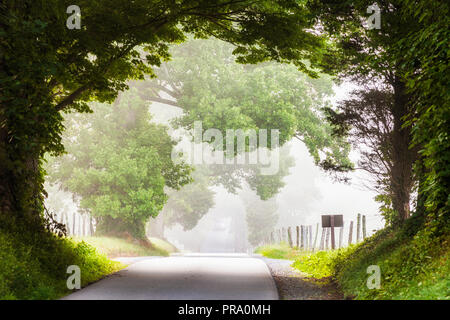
189,277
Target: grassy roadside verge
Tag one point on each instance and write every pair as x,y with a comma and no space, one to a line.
280,251
35,266
116,247
415,267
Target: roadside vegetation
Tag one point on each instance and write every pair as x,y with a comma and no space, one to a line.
280,251
34,266
117,247
411,268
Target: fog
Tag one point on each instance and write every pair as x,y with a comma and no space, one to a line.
307,194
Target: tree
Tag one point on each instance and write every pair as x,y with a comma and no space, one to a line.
367,121
189,204
47,69
206,82
261,216
118,164
364,53
424,52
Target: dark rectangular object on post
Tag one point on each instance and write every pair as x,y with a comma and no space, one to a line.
338,221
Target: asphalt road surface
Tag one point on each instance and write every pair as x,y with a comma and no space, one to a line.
187,277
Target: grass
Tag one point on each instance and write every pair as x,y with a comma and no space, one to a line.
280,251
116,247
319,264
412,266
164,245
34,266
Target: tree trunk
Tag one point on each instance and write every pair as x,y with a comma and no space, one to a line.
403,157
21,189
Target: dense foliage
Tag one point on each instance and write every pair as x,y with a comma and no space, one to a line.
118,163
425,53
204,80
47,68
408,55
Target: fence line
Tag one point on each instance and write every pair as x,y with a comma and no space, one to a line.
301,236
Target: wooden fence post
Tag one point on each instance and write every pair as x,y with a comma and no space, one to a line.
341,234
306,237
91,225
364,226
322,240
302,238
67,222
310,237
327,239
80,225
315,238
350,233
84,226
333,243
358,228
298,236
289,236
73,225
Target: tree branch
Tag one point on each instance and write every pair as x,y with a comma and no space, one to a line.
165,101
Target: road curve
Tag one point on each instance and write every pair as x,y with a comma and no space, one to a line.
186,277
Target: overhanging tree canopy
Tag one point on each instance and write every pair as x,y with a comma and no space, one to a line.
46,68
204,80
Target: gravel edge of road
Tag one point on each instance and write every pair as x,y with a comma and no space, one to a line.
294,285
